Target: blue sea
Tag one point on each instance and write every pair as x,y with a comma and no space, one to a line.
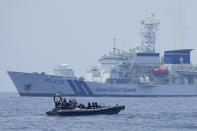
140,114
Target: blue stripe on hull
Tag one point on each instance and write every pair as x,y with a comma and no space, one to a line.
82,91
73,87
81,85
87,88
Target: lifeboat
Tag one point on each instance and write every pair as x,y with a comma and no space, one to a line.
161,71
164,71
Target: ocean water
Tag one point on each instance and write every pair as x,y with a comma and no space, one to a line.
140,114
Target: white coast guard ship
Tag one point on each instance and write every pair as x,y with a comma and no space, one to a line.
141,71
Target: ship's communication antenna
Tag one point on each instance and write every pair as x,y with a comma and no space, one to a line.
149,28
114,45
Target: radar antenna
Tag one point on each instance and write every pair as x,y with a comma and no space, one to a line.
149,28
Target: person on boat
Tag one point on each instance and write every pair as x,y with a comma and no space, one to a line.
64,101
65,104
72,104
96,105
81,106
89,106
69,105
57,102
93,106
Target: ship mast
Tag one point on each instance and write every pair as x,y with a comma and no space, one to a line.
149,28
114,45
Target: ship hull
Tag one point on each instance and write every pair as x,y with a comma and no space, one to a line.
30,84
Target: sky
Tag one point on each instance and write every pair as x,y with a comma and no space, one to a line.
38,35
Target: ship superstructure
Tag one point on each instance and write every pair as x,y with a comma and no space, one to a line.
65,71
134,66
141,71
